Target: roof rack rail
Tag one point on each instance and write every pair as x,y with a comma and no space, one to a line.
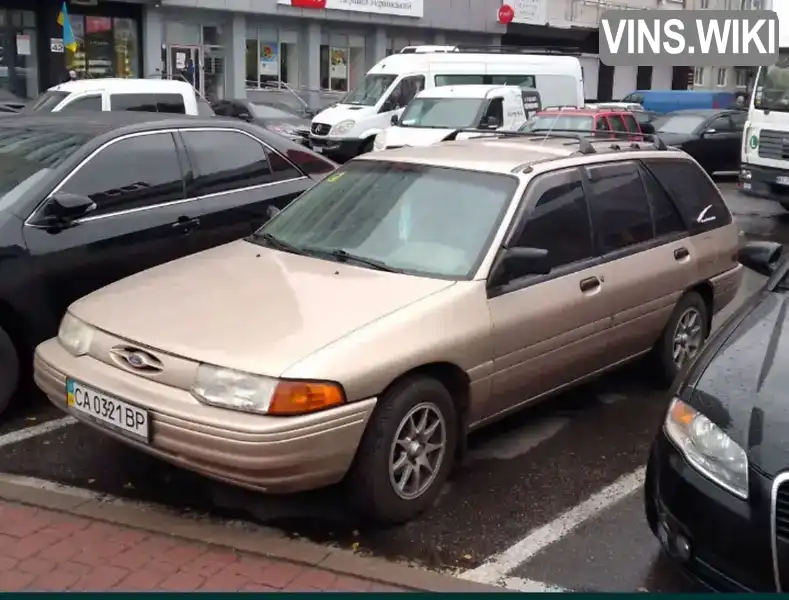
584,139
561,50
563,107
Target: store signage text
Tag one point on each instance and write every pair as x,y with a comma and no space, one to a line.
403,8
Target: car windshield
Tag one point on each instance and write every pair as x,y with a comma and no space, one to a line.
771,91
26,153
265,111
686,124
46,102
419,219
442,112
369,91
559,122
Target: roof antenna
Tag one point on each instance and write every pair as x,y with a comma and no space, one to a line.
585,146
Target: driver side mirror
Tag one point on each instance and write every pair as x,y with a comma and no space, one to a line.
394,120
709,132
515,263
492,123
761,257
64,208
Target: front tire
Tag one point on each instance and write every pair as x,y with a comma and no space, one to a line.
9,371
682,338
367,146
406,452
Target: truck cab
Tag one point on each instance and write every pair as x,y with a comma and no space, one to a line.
435,113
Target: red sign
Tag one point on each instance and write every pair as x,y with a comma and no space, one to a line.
308,3
506,14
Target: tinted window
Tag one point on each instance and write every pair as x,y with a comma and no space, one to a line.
738,120
721,123
665,216
131,173
85,103
696,197
133,102
617,124
309,162
170,103
281,169
631,124
47,101
559,221
602,124
225,161
620,210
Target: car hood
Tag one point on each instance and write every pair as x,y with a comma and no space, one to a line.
395,137
741,381
247,307
675,139
342,112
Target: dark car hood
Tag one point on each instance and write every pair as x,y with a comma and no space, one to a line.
675,139
741,382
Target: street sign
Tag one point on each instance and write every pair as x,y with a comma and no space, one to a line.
56,45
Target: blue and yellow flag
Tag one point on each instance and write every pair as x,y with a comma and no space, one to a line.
68,34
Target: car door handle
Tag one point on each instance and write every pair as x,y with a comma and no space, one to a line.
590,283
681,253
186,223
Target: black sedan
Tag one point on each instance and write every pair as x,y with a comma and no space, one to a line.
280,119
95,197
717,483
712,137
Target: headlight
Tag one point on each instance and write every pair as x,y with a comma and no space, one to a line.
707,448
342,127
75,335
236,390
380,141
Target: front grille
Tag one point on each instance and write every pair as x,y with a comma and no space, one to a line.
774,144
780,527
782,511
320,129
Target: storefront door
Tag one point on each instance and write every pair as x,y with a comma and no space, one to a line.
185,62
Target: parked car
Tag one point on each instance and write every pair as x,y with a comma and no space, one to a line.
10,102
98,196
712,137
666,101
279,119
408,298
121,95
717,484
602,122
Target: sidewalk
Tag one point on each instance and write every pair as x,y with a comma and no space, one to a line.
42,550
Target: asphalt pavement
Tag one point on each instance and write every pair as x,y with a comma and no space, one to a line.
547,499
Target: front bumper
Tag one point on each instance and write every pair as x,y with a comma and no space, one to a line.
269,454
762,183
336,148
729,538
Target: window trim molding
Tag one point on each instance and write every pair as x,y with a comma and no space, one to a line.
30,220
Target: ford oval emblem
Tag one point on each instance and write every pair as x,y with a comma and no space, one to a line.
136,360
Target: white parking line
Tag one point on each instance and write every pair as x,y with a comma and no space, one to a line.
529,585
35,430
495,570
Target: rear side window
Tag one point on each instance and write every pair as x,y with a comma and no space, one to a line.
665,215
602,124
281,169
696,197
617,123
309,162
133,102
170,103
630,123
620,210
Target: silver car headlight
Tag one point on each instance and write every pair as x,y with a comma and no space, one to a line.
75,335
342,127
246,392
708,448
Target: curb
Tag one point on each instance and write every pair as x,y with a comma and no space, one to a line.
261,541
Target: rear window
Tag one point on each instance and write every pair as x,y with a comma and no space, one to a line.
560,122
46,101
696,197
163,103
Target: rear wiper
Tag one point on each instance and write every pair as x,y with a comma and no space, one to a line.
277,243
368,262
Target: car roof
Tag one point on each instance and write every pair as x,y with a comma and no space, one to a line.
585,112
511,154
96,123
462,91
128,86
701,112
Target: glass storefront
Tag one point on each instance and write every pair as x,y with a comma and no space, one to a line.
272,57
106,47
196,53
18,55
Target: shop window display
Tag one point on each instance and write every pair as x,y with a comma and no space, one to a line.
106,47
272,58
18,55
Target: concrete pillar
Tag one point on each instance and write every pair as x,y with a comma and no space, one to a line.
153,38
379,44
313,55
236,62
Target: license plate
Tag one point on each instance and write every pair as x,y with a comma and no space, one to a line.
782,180
117,414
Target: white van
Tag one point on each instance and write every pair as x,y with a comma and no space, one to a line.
349,128
110,94
437,112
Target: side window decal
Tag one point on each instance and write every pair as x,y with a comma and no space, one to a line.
704,216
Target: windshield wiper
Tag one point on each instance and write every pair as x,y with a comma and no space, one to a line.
373,263
277,243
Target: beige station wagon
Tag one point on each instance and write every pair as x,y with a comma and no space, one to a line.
412,296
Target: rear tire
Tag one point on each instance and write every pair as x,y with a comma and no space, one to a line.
9,371
682,338
398,440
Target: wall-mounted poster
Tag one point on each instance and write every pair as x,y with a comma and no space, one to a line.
23,45
269,59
